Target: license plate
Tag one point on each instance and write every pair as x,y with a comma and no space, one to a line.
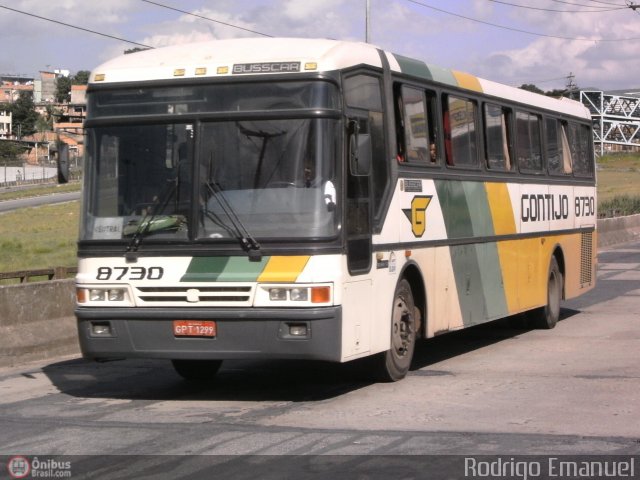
194,328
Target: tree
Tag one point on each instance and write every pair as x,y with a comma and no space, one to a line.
63,89
81,77
9,152
557,93
24,115
134,50
531,88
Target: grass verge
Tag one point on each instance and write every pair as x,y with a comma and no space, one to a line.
37,191
40,237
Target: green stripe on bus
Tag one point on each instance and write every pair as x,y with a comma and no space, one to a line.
479,282
223,269
413,67
443,75
479,211
466,270
466,212
465,208
491,281
420,69
455,210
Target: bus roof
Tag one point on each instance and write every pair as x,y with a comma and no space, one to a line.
235,57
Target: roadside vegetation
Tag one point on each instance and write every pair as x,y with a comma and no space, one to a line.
39,237
619,185
45,237
17,193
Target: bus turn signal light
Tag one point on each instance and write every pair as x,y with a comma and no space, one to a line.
320,295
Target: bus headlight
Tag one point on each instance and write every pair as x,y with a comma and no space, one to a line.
293,295
278,294
86,296
116,295
299,294
97,295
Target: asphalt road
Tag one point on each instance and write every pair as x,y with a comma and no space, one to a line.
492,390
9,205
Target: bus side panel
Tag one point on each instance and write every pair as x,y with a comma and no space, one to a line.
443,308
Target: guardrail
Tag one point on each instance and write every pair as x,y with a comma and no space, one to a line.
57,273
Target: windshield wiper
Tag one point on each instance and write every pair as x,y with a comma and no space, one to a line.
248,243
265,136
158,206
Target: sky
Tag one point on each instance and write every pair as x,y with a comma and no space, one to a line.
538,42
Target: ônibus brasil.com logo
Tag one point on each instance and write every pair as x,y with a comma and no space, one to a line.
18,467
22,467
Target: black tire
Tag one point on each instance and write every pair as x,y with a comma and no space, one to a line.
197,370
547,317
393,365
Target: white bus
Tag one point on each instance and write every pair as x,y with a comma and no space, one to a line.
318,199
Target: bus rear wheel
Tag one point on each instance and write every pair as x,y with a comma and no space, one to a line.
197,370
393,365
547,317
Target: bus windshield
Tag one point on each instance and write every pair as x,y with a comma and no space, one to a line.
197,180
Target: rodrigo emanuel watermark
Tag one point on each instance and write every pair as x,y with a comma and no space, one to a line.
551,467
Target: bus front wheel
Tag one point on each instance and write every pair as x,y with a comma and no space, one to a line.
197,370
547,317
393,365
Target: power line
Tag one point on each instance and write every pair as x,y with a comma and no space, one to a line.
598,9
504,27
576,4
206,18
604,3
76,27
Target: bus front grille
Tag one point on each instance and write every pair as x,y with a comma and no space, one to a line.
195,295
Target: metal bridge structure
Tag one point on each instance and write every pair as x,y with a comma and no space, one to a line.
616,120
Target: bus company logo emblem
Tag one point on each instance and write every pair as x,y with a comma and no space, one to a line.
193,295
266,67
417,214
18,467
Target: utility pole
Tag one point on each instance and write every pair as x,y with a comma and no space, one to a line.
367,31
571,85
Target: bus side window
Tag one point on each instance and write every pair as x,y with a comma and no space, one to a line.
460,127
579,144
529,150
364,93
415,127
558,152
398,110
497,134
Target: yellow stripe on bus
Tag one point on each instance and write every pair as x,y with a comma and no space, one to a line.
283,269
467,81
501,209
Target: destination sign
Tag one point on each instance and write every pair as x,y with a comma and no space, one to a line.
268,67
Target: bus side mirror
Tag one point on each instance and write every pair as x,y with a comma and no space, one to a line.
359,150
63,162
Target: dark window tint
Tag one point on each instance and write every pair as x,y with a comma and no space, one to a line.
497,137
416,133
528,142
558,152
241,97
460,132
363,91
580,145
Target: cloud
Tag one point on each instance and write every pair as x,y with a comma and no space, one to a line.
399,26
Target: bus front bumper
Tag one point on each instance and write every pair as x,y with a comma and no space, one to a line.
106,333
